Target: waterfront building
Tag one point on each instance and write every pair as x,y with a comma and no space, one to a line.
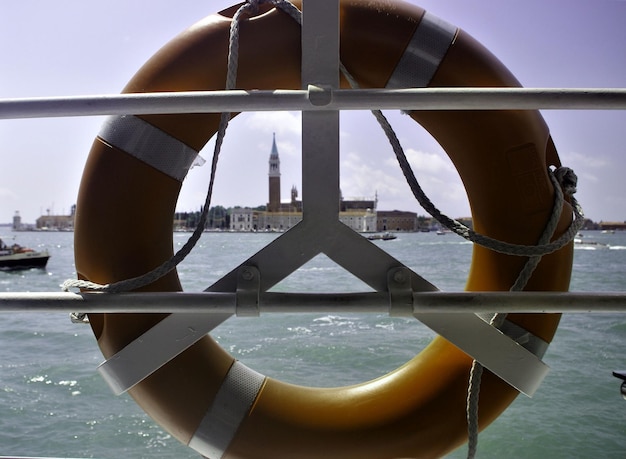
50,222
612,226
361,221
274,179
396,220
17,222
244,219
358,214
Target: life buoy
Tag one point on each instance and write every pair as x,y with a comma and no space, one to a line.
502,156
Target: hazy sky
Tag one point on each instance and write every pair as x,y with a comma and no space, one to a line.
74,47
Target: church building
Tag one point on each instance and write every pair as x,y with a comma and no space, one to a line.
360,215
274,179
275,205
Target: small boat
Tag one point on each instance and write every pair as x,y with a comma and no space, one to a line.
382,237
587,244
14,257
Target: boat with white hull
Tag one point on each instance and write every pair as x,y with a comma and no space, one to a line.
16,257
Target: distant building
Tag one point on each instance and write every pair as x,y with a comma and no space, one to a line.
244,219
357,205
275,205
362,221
396,220
612,226
17,221
50,222
360,215
274,179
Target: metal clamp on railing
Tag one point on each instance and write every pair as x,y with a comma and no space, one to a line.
400,292
320,95
248,291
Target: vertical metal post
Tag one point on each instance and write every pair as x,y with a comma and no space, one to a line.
320,129
320,231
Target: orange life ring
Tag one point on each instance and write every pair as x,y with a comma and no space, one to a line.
502,156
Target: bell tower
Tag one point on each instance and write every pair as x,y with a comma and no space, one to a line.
274,179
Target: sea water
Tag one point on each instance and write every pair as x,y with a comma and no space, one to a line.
53,402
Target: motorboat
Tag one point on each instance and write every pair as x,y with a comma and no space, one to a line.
15,257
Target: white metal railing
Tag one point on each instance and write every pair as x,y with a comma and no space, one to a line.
317,98
274,302
320,104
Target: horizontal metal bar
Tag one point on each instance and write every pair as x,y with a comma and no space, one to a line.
270,302
34,457
521,302
303,100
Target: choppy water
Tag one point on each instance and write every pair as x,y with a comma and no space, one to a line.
53,403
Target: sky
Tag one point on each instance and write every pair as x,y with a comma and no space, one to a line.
73,47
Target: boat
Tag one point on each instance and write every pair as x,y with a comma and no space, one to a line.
382,237
590,244
581,242
16,257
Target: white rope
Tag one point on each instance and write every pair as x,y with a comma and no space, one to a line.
473,389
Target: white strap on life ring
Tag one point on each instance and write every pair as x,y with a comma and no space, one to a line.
494,350
501,354
149,144
163,342
423,54
229,408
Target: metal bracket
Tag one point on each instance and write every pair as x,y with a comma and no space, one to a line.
320,95
248,291
400,292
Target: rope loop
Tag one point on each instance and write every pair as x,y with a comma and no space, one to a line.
567,179
253,6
